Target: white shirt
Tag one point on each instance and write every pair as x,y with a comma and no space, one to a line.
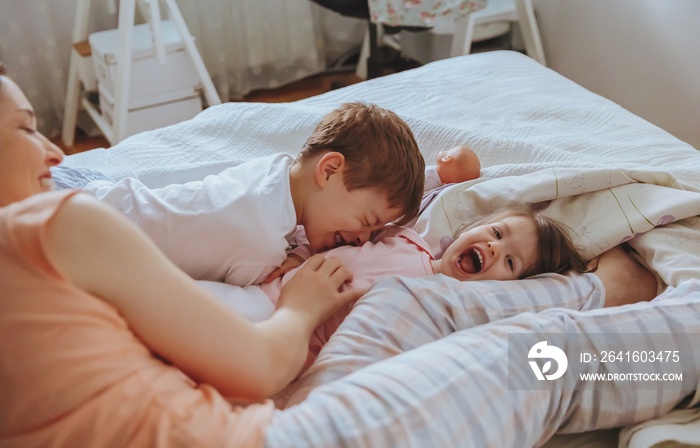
228,227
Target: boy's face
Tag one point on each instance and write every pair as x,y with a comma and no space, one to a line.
502,250
336,217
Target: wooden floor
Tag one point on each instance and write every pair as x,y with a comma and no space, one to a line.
304,88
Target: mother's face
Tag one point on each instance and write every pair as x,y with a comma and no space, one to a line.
25,154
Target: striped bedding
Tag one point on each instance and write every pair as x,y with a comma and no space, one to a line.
473,399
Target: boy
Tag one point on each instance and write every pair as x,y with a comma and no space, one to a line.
359,170
458,164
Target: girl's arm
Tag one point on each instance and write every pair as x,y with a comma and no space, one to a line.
103,253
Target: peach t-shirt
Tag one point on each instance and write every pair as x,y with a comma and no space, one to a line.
72,373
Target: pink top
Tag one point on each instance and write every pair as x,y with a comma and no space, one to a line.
73,374
393,251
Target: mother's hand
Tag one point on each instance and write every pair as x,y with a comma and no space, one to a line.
315,290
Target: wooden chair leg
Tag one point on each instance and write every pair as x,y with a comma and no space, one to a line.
72,104
531,32
373,60
463,36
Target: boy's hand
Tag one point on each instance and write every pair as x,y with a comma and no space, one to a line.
292,261
314,290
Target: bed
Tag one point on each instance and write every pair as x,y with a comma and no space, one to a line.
608,174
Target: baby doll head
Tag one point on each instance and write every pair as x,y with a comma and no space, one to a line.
458,164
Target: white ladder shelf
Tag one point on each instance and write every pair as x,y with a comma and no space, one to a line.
127,14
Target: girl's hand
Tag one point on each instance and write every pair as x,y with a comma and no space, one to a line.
315,290
292,261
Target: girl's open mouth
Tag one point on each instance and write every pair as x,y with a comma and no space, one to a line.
471,261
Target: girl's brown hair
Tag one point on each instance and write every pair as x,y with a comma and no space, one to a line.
556,252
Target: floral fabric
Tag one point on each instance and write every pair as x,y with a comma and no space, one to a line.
421,13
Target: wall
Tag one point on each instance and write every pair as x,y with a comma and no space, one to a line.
642,54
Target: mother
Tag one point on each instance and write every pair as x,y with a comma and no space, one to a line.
105,343
88,302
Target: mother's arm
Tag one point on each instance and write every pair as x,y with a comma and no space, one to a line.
101,252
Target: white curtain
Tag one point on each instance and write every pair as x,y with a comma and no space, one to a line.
248,44
245,44
35,45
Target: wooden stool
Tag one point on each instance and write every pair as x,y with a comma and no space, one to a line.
116,131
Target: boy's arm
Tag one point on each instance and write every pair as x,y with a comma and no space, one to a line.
95,248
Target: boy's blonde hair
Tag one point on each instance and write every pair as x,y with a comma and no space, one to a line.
380,153
555,250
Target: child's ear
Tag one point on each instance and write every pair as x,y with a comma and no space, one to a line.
329,164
